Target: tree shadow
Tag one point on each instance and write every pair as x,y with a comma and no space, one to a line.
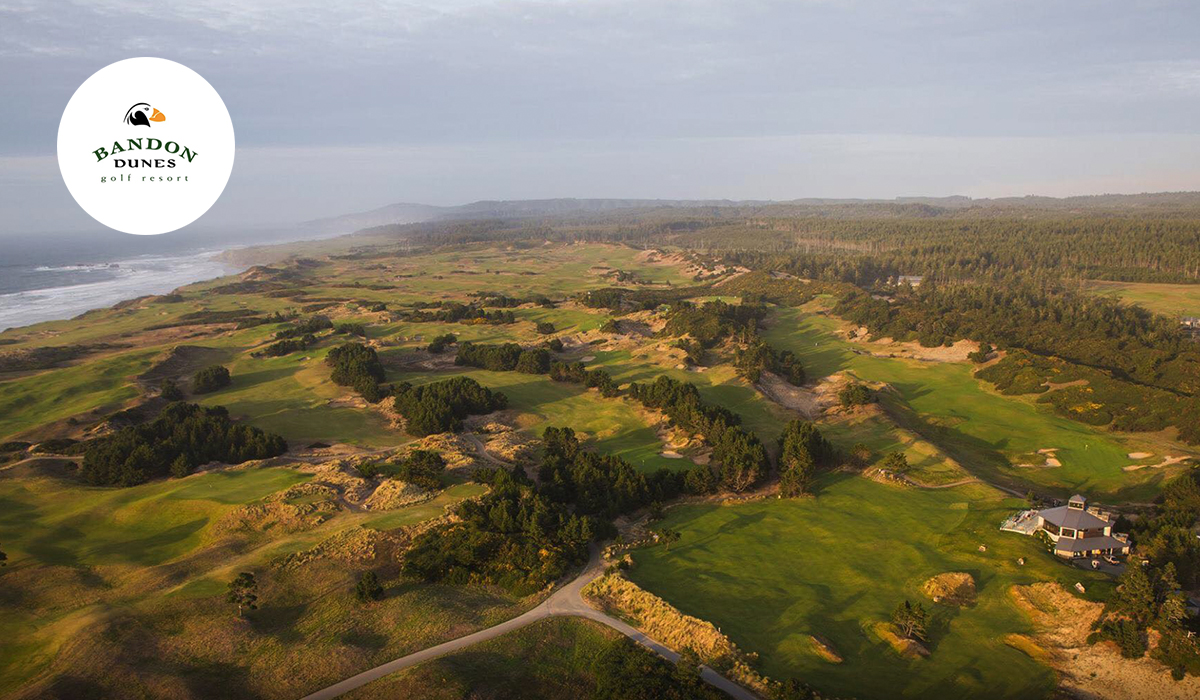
278,621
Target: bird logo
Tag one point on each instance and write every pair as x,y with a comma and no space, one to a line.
141,114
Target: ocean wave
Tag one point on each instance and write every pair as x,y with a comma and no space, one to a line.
133,278
77,268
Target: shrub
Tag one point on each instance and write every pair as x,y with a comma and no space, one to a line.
855,395
439,343
368,588
211,379
351,329
170,391
545,327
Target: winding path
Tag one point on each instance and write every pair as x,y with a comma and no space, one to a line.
565,602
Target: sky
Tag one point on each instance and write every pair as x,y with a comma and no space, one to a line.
350,105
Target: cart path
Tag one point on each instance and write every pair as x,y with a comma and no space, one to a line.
565,602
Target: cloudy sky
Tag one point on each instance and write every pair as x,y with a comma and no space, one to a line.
349,105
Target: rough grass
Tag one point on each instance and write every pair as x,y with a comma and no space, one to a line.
139,574
549,660
770,573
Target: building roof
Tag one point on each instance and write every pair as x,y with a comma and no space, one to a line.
1087,544
1073,518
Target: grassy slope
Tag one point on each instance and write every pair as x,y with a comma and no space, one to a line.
80,556
1174,300
985,431
549,660
771,572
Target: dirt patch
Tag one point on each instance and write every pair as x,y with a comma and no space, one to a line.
908,648
809,401
357,545
1063,623
824,649
951,588
912,350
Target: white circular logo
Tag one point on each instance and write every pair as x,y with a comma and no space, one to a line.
145,146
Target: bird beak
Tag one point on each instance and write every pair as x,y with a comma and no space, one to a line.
158,116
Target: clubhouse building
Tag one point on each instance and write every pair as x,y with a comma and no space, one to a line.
1075,529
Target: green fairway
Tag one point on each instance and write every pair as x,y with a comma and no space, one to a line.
986,432
58,522
769,573
292,396
49,396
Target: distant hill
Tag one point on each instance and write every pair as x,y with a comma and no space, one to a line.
402,214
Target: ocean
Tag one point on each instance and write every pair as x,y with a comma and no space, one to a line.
59,276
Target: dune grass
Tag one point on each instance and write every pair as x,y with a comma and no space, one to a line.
770,573
986,432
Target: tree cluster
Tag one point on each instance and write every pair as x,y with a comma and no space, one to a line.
742,457
357,366
577,373
802,452
505,357
441,406
758,357
181,438
456,312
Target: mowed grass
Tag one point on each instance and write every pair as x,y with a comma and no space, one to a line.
37,399
1173,300
61,522
988,433
291,396
772,572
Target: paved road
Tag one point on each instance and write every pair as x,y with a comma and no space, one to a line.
566,601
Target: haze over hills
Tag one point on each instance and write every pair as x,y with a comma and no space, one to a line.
411,213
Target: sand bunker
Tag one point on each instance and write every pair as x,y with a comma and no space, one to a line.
1167,461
